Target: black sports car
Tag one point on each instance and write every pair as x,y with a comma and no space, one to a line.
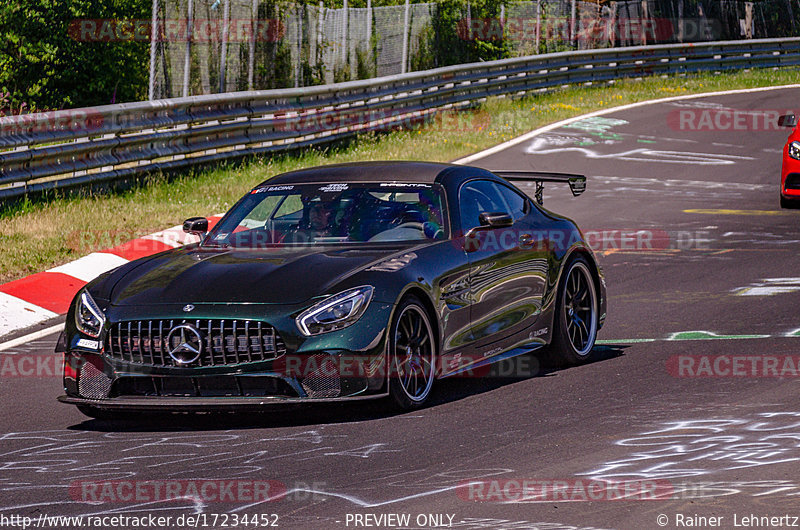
338,282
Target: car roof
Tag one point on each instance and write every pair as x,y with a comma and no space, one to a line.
388,171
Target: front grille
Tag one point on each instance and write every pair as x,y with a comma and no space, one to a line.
792,181
225,342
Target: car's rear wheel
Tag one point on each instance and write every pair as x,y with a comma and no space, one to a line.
412,355
576,318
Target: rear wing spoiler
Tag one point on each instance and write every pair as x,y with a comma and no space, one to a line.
577,183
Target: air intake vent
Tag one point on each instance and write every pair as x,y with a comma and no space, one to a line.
92,383
792,181
324,380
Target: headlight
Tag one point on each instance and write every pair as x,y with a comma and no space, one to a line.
336,312
88,316
794,150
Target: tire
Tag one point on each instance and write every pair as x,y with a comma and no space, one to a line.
412,355
576,318
788,203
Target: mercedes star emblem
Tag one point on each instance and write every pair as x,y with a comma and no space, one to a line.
188,307
184,344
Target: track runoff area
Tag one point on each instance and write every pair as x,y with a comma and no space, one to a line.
689,417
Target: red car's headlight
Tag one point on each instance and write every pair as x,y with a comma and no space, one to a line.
794,150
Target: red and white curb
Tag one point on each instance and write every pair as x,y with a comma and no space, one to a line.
45,295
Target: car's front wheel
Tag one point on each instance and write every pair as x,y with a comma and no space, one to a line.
412,355
789,203
576,318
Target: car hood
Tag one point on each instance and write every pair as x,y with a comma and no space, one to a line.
194,275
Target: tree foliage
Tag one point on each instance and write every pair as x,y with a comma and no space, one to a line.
454,42
43,67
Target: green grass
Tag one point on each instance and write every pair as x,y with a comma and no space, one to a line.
38,235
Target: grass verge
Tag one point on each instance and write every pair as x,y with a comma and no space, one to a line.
38,235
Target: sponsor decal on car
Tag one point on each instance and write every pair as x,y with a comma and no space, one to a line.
333,187
404,185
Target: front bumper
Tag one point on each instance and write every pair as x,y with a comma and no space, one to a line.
93,380
220,404
339,366
790,185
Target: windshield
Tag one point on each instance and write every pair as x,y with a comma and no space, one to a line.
335,213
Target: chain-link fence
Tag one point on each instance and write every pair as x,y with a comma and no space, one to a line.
546,26
208,46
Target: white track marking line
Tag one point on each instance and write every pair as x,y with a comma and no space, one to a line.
547,128
31,337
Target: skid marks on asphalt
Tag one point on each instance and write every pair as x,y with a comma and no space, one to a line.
691,454
60,458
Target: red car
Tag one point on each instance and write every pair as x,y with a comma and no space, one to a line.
790,172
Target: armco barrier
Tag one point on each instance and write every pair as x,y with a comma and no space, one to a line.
74,147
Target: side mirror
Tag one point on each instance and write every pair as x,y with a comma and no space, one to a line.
495,219
787,120
196,225
488,221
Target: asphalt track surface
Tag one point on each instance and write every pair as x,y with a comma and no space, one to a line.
721,262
